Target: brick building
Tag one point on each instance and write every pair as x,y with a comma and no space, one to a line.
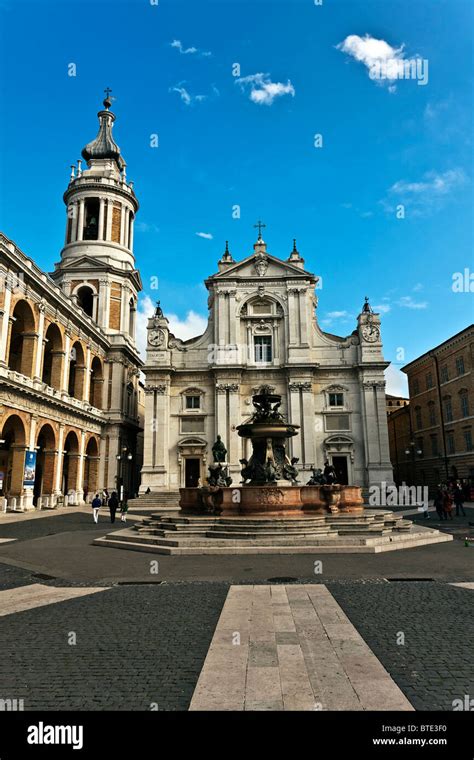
439,420
69,367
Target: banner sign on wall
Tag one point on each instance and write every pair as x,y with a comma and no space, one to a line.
30,468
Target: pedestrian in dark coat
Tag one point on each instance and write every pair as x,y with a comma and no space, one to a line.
113,506
438,503
459,500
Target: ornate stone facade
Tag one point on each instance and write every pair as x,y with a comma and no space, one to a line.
263,329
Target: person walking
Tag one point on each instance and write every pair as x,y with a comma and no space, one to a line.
113,506
438,503
447,504
123,516
105,497
96,505
459,500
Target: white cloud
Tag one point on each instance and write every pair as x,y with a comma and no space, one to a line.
386,64
397,384
206,235
338,314
382,308
146,307
426,195
194,324
178,45
184,51
416,288
432,183
187,98
408,303
368,49
183,94
145,227
262,90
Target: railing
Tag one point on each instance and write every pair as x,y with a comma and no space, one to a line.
47,390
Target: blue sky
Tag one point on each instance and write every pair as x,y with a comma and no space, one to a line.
249,140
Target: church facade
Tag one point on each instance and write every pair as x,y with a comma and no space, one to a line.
263,330
69,366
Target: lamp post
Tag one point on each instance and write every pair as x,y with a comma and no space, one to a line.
412,450
124,456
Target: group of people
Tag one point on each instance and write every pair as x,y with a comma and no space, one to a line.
112,502
447,498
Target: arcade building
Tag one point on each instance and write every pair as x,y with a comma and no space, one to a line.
69,366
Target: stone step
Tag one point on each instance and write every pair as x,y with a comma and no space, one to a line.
327,546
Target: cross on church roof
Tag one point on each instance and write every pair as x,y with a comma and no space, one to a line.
259,225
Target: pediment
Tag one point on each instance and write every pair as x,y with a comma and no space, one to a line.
262,267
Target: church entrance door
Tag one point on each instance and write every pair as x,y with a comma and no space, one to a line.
340,465
192,472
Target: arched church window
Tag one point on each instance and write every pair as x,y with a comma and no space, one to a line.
91,219
85,299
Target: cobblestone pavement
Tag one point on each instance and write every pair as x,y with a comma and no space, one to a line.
435,664
61,546
135,647
143,644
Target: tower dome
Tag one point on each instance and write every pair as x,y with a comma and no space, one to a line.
104,145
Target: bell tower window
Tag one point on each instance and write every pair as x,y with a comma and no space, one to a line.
91,219
85,299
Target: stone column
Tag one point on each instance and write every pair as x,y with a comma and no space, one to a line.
130,241
108,233
100,235
39,344
33,425
122,225
80,222
303,317
221,414
7,297
80,473
59,461
67,356
18,468
235,446
87,375
294,416
307,431
293,317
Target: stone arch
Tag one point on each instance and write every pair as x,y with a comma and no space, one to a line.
12,454
77,370
91,467
96,383
46,454
85,299
280,306
22,339
70,475
53,356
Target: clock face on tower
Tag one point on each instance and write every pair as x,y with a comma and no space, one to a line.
370,332
156,338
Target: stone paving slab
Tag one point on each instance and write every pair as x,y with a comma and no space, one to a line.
432,663
38,595
291,648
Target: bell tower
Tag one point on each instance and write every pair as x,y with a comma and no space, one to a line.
97,267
